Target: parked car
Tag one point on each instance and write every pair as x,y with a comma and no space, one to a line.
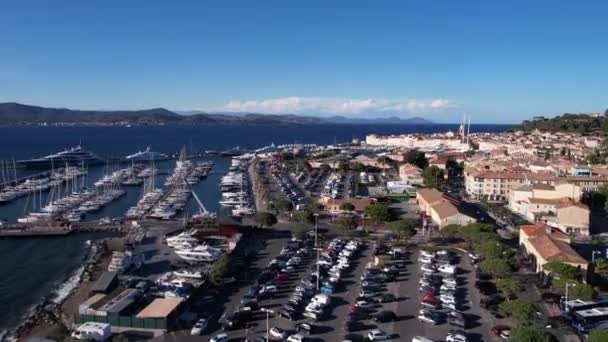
199,327
385,316
306,327
378,335
386,298
277,333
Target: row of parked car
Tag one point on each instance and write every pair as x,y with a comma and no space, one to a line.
443,297
312,296
290,190
373,294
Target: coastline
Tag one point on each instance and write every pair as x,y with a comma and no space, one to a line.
52,314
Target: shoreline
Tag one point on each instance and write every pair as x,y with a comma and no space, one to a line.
50,314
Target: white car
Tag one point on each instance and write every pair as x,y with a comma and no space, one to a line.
314,309
278,333
269,289
426,319
427,269
448,287
365,304
199,327
447,269
311,315
425,260
295,338
449,281
378,335
442,252
447,299
449,306
427,254
456,338
219,338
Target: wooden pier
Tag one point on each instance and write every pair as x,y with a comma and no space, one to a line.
52,229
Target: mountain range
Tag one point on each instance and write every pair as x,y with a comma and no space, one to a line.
13,114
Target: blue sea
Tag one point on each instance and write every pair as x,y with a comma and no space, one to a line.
32,269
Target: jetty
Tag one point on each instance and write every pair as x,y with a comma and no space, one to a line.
56,229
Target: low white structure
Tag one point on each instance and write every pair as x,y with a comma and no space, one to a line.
93,331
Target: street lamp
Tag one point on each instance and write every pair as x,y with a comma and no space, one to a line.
593,255
566,303
268,312
316,215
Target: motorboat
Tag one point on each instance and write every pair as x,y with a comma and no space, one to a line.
201,253
181,239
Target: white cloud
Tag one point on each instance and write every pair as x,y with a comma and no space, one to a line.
339,106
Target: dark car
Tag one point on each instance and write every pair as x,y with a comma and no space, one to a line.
457,322
292,316
357,316
354,338
351,326
306,327
385,316
233,321
386,298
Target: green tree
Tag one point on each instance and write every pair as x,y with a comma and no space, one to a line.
405,228
581,291
601,270
306,216
378,212
346,206
598,335
420,160
499,268
509,286
220,268
494,249
451,231
265,219
528,334
520,310
561,274
433,177
347,223
357,167
603,195
284,205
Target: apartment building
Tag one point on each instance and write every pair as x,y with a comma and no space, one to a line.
496,185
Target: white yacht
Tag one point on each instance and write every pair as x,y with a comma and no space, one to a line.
201,253
189,274
181,239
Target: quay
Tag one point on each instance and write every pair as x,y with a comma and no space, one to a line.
56,229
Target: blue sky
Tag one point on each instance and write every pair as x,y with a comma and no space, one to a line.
500,61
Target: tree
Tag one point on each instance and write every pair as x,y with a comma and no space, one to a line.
561,274
520,310
378,212
451,231
494,249
601,270
528,334
346,206
598,335
581,291
265,219
306,216
347,223
219,269
603,195
357,167
420,160
433,177
405,228
499,268
509,286
284,205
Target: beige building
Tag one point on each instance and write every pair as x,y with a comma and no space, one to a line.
544,244
557,205
497,185
411,174
442,209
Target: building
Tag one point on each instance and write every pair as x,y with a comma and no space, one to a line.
543,243
442,209
106,283
411,174
370,162
496,185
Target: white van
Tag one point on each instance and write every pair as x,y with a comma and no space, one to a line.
421,339
93,331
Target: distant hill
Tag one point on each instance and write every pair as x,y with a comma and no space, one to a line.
387,120
13,114
568,122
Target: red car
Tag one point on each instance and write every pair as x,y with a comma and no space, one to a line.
497,329
429,295
432,300
356,308
281,277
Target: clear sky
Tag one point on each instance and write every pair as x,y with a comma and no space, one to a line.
500,61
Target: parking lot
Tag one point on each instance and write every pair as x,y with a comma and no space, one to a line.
332,325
